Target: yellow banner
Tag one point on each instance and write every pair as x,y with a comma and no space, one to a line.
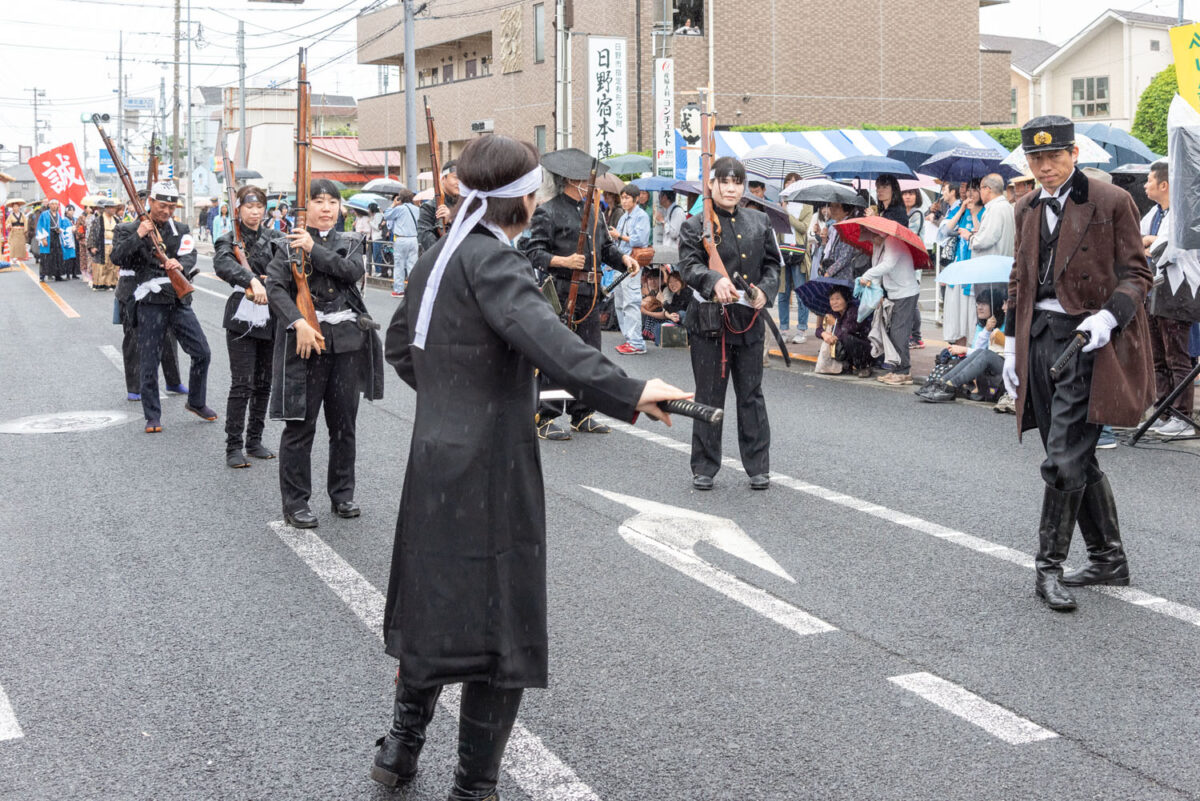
1185,43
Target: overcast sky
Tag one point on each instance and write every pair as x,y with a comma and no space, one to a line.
68,49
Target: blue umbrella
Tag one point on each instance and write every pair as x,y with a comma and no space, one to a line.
814,293
966,163
655,183
363,200
1124,148
915,150
981,270
867,167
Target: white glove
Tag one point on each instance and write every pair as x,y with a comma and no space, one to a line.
1100,327
1011,382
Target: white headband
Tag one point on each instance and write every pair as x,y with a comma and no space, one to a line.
527,184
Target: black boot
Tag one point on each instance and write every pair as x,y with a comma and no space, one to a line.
1102,535
486,720
1059,511
396,761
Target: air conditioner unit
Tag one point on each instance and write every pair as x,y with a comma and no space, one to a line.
483,126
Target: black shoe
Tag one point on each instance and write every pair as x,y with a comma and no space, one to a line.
485,721
259,451
1059,512
589,425
345,509
702,482
236,459
301,518
1107,563
760,482
204,413
399,749
552,431
938,393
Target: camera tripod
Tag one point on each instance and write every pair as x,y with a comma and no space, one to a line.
1165,408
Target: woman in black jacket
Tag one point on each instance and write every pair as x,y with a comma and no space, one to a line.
249,329
891,204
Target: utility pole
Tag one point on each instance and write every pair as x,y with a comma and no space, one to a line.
383,70
1180,12
175,99
120,93
162,107
410,96
37,125
191,151
242,93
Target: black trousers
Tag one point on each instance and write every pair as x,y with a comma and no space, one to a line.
589,332
154,320
1172,364
1061,407
743,363
249,386
332,383
129,354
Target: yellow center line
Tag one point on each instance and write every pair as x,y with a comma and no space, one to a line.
62,305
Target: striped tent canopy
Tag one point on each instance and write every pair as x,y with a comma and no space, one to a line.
828,145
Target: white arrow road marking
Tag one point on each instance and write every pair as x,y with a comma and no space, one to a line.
992,718
669,534
9,728
541,774
1161,606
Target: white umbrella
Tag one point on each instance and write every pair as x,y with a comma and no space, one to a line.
1089,153
777,160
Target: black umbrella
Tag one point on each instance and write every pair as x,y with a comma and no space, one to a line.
383,186
915,150
246,174
822,190
571,163
814,293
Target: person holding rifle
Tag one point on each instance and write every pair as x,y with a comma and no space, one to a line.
725,324
241,257
435,218
328,365
553,247
157,307
1080,272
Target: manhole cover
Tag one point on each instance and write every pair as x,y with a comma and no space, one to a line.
63,422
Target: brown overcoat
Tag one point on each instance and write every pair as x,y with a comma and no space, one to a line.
1099,264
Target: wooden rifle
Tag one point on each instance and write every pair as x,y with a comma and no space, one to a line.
298,258
712,226
239,246
152,164
435,167
179,282
581,248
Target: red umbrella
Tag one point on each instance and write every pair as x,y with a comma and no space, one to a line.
852,232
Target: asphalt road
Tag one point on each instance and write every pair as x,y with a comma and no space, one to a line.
162,640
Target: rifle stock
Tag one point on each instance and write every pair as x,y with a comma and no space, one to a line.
179,282
435,166
299,259
581,246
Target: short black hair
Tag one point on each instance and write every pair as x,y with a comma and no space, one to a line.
631,190
669,194
322,186
728,167
756,184
892,182
1160,171
250,189
492,162
451,166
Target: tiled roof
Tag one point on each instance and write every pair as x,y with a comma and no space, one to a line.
1026,53
346,147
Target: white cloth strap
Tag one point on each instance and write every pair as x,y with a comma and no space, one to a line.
126,273
464,223
252,314
344,316
154,285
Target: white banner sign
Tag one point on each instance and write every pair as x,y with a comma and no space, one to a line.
608,119
664,117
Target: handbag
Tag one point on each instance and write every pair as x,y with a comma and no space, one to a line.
643,256
710,318
551,294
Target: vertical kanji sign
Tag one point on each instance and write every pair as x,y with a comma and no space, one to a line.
60,175
664,117
608,120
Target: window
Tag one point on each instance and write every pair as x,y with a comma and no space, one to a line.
1089,97
1014,105
689,17
539,136
539,33
1154,45
472,68
448,72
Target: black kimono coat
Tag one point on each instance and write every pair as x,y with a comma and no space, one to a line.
135,253
337,265
467,594
260,248
427,235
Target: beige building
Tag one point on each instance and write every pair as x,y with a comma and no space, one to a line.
521,68
1096,76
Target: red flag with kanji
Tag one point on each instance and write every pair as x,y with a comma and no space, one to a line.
60,175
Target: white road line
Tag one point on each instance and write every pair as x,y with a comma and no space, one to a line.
541,774
992,718
1162,606
9,728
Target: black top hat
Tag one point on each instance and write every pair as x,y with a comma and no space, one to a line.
1047,133
571,163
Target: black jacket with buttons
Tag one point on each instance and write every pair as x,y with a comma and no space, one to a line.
554,231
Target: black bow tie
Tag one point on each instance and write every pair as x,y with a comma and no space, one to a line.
1053,204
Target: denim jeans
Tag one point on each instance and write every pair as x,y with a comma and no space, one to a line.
790,278
628,303
404,256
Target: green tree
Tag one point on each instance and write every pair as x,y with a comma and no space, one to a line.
1150,122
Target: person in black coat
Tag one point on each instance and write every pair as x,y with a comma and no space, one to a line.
891,200
249,329
466,599
156,306
725,329
330,366
432,215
